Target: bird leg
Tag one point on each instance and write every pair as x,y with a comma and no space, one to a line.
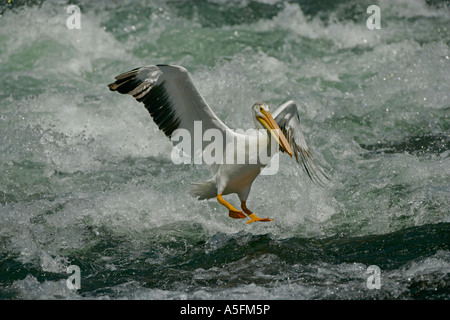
253,217
233,212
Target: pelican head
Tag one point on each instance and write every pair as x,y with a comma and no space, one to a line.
263,119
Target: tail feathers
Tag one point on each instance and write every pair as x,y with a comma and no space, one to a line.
203,190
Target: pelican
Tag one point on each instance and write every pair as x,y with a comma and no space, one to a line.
175,104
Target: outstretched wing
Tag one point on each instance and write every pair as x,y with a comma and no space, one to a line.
286,116
170,96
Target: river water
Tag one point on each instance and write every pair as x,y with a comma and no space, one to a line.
86,178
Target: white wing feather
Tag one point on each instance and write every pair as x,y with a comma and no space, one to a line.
287,118
170,96
174,103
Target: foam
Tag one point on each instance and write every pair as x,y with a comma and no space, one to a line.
85,163
340,281
31,289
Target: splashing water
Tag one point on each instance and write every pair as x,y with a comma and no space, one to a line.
86,178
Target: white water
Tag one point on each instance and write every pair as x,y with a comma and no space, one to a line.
78,161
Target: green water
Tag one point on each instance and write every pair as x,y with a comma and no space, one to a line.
86,178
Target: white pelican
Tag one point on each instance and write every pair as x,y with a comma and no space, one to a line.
174,103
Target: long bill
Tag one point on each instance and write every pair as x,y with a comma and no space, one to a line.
275,130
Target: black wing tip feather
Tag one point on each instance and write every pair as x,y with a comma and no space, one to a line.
305,158
123,78
154,96
311,168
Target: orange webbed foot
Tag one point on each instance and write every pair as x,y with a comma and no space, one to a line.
236,214
253,217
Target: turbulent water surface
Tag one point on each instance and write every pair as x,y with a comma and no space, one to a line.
86,178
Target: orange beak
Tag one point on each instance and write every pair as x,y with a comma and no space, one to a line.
275,130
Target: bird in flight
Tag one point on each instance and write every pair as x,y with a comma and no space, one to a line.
180,111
